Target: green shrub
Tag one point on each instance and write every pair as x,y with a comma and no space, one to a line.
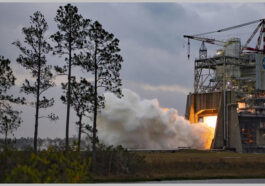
52,166
24,174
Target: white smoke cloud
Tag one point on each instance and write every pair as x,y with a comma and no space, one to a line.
142,124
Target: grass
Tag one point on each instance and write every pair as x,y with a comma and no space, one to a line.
178,165
194,164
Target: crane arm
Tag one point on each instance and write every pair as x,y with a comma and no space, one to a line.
232,27
238,26
251,37
259,38
207,40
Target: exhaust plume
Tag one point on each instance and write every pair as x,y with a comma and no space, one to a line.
142,124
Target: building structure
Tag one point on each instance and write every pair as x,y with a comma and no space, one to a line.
231,86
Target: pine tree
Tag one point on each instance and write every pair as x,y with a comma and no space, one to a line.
81,101
70,37
103,60
9,118
33,58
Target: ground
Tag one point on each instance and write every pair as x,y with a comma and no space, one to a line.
194,164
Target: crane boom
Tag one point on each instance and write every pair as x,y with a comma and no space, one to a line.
259,38
207,40
251,37
232,27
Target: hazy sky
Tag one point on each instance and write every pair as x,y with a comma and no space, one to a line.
151,41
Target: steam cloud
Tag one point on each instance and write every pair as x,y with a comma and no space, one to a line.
142,124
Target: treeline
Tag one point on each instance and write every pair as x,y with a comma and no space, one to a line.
26,144
84,44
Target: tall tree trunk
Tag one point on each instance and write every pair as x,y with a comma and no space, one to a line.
37,103
68,99
68,91
95,111
79,132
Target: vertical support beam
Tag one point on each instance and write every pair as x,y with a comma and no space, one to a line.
263,34
224,103
233,135
196,78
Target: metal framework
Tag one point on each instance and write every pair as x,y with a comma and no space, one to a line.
205,73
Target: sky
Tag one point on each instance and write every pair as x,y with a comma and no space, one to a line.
152,45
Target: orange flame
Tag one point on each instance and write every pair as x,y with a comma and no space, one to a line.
210,122
208,137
